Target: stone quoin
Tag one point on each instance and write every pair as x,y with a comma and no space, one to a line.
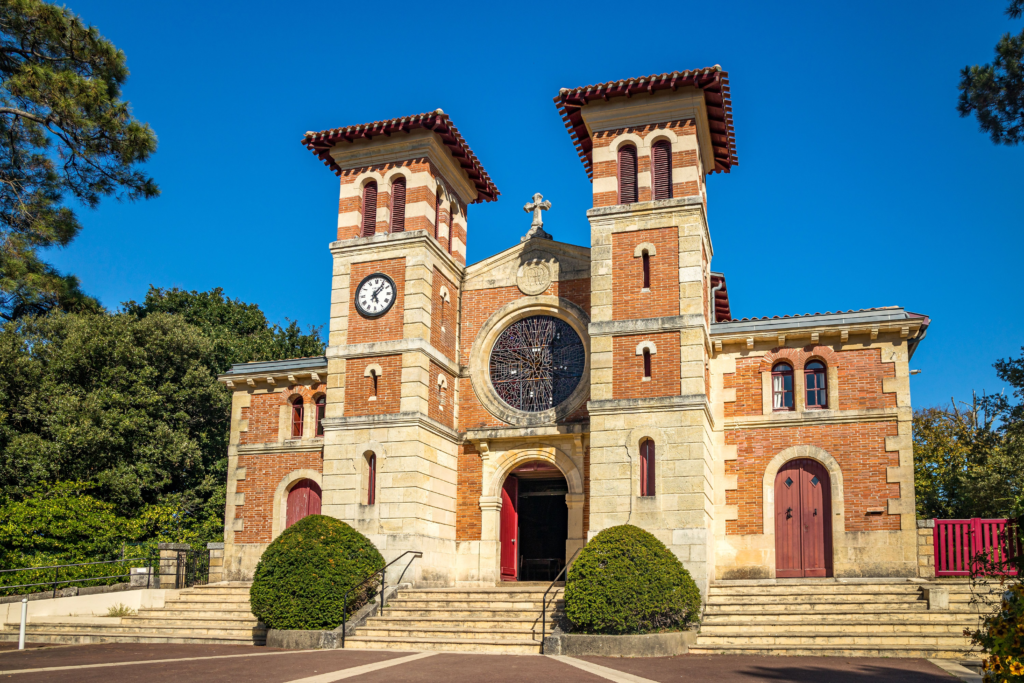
497,415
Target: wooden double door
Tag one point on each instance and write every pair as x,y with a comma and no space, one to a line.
803,520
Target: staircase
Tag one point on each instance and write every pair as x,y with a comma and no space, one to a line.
217,614
505,618
846,617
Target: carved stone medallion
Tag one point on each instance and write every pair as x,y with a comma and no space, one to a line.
533,277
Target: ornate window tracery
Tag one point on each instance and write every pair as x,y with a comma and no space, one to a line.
537,363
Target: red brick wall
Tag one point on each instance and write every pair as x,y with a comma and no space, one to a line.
628,301
860,374
263,473
628,368
680,159
264,412
359,389
444,340
389,326
858,448
469,487
444,414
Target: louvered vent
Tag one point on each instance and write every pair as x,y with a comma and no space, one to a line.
398,205
369,209
661,161
627,175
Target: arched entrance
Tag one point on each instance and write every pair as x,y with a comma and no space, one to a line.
303,500
803,520
534,522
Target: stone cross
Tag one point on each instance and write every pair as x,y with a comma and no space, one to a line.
537,226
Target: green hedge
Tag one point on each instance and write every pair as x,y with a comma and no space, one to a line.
301,580
626,581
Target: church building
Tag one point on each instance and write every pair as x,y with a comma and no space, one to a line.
495,416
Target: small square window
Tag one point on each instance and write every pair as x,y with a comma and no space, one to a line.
789,482
814,481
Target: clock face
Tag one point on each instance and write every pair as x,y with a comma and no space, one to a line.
375,295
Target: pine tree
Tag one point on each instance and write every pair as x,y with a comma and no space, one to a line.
995,92
65,135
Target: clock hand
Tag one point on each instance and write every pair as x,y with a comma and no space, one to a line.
377,292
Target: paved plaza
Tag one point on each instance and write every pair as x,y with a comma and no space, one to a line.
142,663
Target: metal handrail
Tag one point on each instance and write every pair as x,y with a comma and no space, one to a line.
544,601
56,573
381,571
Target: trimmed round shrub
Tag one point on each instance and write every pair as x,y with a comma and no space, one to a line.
626,581
301,580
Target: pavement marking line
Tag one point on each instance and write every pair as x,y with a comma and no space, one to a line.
149,661
602,671
955,669
342,674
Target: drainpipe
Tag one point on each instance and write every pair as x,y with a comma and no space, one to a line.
714,290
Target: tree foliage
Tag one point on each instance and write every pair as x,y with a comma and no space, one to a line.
65,134
995,92
129,406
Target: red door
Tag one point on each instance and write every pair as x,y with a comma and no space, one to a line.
303,500
803,520
509,529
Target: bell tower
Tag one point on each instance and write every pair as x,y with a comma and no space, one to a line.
390,430
648,145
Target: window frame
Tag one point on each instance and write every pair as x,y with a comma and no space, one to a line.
648,372
320,404
645,262
820,391
666,145
298,416
621,162
648,469
369,217
371,479
783,374
400,226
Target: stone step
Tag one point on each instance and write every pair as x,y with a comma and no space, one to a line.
460,614
483,594
205,604
80,638
154,630
818,598
817,589
195,613
817,607
906,628
213,622
446,644
916,652
749,638
414,603
840,617
529,624
374,631
210,597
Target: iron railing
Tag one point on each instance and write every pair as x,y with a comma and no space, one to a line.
381,571
544,600
193,568
152,563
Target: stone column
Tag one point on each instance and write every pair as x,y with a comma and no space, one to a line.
168,574
926,548
216,561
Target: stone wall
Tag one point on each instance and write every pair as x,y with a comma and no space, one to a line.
926,548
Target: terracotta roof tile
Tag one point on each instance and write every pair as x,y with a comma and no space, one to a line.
320,143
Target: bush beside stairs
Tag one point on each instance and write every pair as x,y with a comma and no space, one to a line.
505,618
848,618
216,614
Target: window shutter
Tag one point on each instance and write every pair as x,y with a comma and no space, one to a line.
398,205
661,162
369,209
371,480
647,487
627,175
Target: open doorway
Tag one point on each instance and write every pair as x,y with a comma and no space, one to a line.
534,523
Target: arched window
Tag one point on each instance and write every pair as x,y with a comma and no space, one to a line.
369,209
374,381
817,392
303,500
398,204
321,409
371,478
647,363
645,259
661,169
782,387
647,487
627,174
297,414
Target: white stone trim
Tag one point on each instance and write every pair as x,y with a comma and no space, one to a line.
624,138
642,247
280,508
442,381
373,367
443,293
835,475
649,345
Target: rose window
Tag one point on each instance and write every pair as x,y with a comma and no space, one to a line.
537,363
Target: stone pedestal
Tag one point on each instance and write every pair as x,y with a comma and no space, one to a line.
216,561
926,548
168,573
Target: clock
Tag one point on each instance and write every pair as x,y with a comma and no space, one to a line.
375,295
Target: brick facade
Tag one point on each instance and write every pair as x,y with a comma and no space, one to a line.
681,159
442,398
629,300
444,316
389,326
628,368
263,473
858,448
470,486
359,394
266,422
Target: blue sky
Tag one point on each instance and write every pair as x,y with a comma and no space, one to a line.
858,183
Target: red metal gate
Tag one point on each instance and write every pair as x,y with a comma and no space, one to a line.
959,542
